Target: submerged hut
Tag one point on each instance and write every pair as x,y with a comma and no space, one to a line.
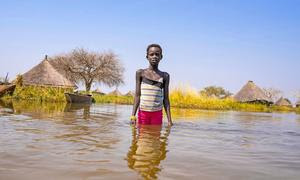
298,103
250,93
115,93
44,74
284,102
130,93
98,91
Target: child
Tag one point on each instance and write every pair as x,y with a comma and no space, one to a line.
152,90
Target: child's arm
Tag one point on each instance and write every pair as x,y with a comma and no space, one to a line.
166,98
137,94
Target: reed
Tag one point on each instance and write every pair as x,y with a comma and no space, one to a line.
187,97
180,97
41,93
297,110
113,99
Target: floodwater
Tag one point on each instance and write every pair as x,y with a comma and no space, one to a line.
60,141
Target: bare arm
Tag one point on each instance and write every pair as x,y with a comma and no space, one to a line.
137,94
166,98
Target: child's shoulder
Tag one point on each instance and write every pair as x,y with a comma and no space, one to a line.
165,74
139,72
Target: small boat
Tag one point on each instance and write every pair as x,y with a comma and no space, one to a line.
7,89
78,98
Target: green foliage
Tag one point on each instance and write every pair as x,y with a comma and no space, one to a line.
297,110
113,99
39,93
283,108
218,92
186,98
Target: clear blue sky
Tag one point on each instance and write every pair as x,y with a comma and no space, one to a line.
211,42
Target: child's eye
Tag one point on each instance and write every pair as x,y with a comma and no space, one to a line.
152,54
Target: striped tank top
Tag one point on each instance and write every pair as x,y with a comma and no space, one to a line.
151,95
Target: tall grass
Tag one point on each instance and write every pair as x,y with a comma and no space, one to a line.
180,97
113,99
40,93
297,110
187,97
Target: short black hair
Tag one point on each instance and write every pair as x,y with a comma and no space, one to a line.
154,45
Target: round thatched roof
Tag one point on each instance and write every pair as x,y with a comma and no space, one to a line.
44,74
115,93
283,102
251,93
298,103
130,93
98,91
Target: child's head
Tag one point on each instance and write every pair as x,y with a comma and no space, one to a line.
154,54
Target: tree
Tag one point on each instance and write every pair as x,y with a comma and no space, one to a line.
272,93
4,80
81,66
218,92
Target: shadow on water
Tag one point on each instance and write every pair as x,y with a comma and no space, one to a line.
148,148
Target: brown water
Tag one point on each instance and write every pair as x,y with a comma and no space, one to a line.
59,141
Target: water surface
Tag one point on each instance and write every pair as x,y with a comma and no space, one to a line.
61,141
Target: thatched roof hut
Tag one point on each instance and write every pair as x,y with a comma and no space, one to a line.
283,102
298,103
115,93
98,91
44,74
250,93
130,93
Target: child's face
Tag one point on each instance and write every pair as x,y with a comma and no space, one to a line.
154,56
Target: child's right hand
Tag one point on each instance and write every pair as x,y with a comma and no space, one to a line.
132,119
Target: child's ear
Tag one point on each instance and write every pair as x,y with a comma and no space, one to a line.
161,56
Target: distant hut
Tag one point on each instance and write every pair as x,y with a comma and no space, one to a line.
44,74
98,91
298,103
284,102
130,93
115,93
250,93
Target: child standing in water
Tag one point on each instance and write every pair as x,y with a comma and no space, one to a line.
152,91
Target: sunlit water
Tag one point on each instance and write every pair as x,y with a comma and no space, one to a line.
59,141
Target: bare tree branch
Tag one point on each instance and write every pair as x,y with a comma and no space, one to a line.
81,66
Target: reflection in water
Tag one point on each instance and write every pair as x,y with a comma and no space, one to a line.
79,126
36,109
147,150
71,107
194,114
70,141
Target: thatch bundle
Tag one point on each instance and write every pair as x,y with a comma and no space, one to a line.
115,93
283,102
44,74
250,93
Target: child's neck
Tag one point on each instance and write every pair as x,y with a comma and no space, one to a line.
154,68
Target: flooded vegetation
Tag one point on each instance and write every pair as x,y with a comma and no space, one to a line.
42,140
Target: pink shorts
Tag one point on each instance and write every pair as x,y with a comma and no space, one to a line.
146,117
